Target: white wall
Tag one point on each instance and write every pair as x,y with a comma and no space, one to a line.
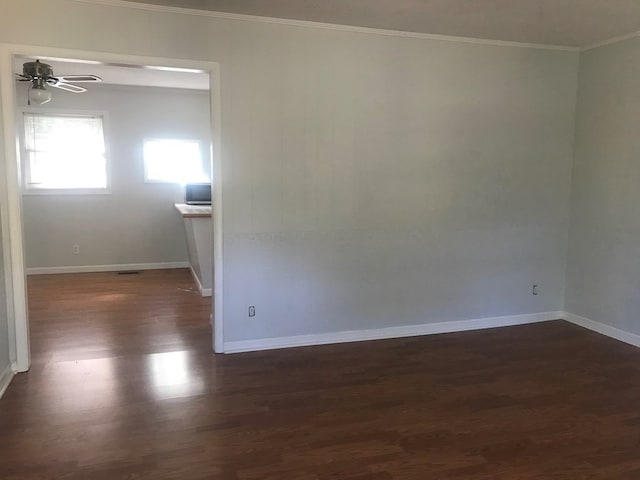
603,273
368,180
5,346
137,223
6,371
5,359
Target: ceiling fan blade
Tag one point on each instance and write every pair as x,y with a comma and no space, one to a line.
79,78
22,78
68,87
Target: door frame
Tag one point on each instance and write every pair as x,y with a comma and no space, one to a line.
11,215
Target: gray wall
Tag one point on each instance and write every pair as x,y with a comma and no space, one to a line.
137,222
603,273
421,183
368,180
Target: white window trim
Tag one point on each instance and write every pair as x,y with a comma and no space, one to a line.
64,112
144,160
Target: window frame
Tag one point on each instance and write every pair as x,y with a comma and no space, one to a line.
168,182
58,112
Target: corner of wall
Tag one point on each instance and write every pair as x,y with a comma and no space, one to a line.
571,179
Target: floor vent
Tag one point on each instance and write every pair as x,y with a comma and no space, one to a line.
129,272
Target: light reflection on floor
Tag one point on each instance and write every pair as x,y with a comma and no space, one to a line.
85,385
172,376
112,297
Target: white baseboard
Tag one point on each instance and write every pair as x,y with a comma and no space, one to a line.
5,379
205,292
609,331
105,268
389,332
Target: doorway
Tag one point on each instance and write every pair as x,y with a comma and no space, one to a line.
13,209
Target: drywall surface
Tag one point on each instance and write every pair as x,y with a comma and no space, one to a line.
5,349
369,180
603,272
5,345
137,222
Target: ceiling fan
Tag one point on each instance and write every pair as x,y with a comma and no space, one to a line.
41,75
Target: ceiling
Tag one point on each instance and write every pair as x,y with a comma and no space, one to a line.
123,74
576,23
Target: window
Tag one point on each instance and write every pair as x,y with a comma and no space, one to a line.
64,152
172,160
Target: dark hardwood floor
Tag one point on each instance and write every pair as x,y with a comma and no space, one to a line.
124,386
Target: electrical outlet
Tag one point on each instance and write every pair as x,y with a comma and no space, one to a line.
75,249
252,311
534,289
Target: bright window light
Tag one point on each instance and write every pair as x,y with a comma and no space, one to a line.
174,161
64,152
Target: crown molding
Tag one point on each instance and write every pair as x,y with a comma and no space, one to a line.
611,41
325,26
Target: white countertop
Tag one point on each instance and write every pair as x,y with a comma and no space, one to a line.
194,211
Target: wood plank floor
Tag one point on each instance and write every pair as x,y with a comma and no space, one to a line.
124,386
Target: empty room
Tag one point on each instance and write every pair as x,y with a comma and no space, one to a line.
424,256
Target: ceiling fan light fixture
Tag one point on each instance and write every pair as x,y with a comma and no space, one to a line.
41,76
38,94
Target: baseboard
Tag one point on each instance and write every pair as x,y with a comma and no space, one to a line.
386,333
105,268
609,331
205,292
5,379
